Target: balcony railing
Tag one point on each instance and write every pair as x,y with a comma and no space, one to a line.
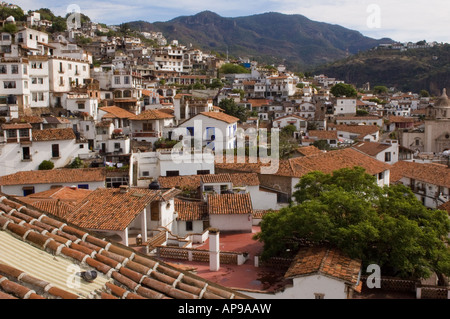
147,134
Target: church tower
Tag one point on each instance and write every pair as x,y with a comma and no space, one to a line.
437,125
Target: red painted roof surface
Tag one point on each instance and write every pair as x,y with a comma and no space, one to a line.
246,276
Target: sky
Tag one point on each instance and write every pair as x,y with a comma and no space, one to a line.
400,20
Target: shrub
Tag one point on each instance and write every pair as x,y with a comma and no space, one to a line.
46,165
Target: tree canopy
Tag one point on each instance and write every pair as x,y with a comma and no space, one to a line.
231,108
342,89
230,68
386,226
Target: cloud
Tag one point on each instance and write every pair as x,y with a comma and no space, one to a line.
400,20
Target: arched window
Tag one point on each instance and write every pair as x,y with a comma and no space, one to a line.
127,93
117,94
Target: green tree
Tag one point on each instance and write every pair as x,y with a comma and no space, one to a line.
322,145
230,68
231,108
216,84
424,93
342,89
387,226
10,28
76,163
380,89
46,165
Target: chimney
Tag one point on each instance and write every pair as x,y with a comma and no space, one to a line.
214,251
123,189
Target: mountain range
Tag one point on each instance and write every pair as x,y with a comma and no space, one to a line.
293,40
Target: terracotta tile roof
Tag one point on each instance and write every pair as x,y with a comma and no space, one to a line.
325,162
309,150
190,211
362,130
221,117
244,179
54,176
436,174
69,194
216,178
400,119
324,261
28,119
191,182
51,206
15,126
230,204
50,246
53,134
323,135
116,112
258,102
152,115
335,160
371,148
110,209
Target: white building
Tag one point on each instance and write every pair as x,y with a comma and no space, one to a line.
24,149
387,152
319,273
215,130
345,106
66,73
24,183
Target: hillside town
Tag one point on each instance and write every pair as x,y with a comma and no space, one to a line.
128,157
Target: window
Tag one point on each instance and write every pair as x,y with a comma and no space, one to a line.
83,186
26,153
81,106
55,150
208,188
172,173
147,127
12,133
28,190
146,174
203,172
380,176
117,80
116,145
24,132
14,69
387,156
6,37
9,84
189,226
126,80
319,296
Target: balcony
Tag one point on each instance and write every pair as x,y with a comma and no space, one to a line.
147,134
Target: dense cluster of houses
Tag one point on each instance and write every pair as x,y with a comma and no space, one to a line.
124,119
